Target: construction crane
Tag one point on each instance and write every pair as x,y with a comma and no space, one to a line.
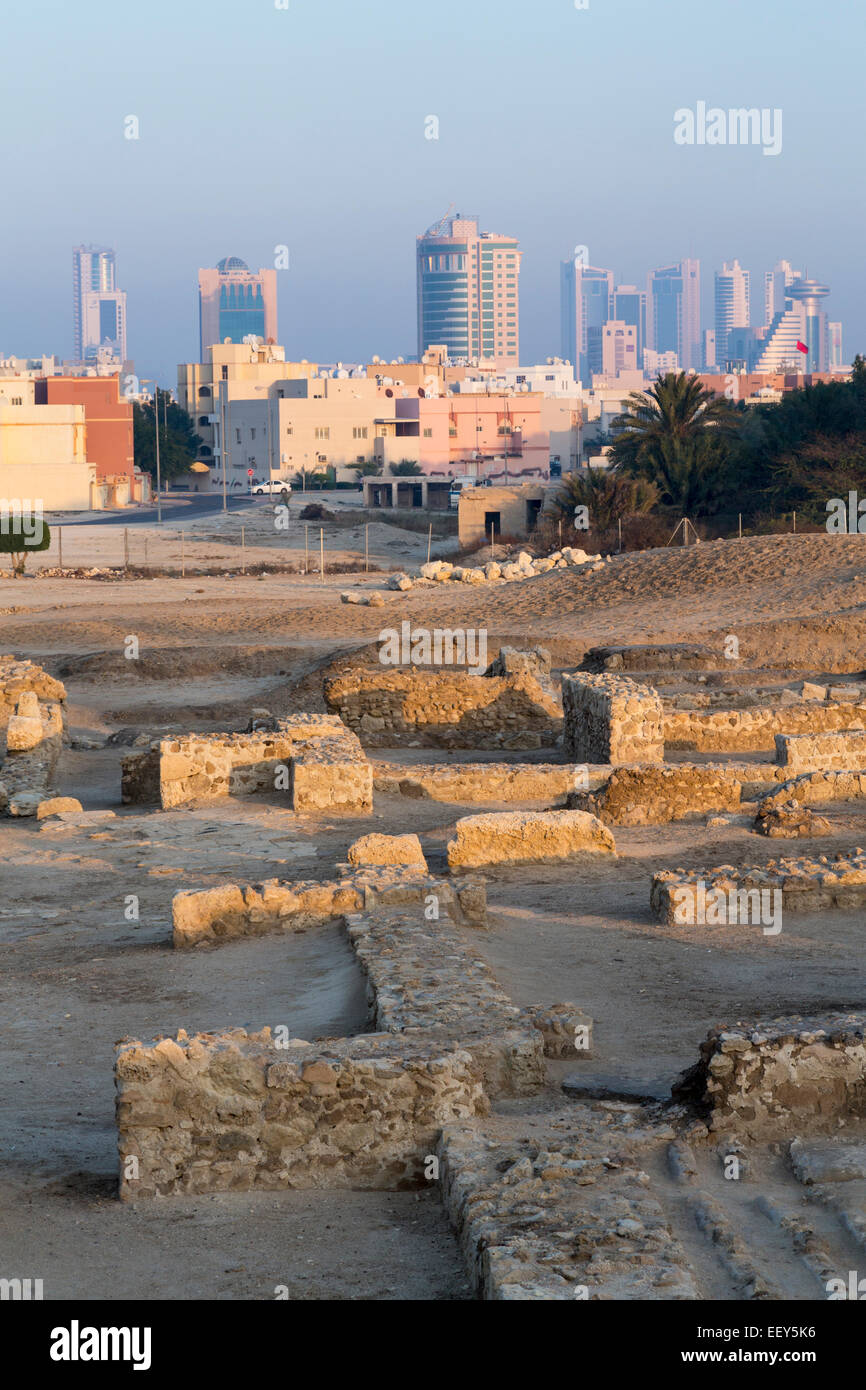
437,228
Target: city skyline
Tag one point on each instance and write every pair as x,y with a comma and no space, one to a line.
621,185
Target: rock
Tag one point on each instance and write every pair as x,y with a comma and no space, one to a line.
400,581
524,560
23,732
55,805
526,837
387,849
492,570
28,705
813,692
24,803
351,596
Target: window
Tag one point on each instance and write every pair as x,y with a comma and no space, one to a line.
17,400
252,434
359,431
204,390
225,373
322,432
290,429
238,436
203,420
428,434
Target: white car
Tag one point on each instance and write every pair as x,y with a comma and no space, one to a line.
271,487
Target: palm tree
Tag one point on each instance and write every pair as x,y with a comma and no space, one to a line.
607,496
677,436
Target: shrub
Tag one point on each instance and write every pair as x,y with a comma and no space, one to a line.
21,534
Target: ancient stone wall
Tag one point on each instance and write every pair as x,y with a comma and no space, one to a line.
684,897
773,1079
445,709
237,1111
20,677
322,763
233,1112
655,795
33,741
814,788
753,730
611,719
215,915
837,752
483,782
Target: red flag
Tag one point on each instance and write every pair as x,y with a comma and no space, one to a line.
801,347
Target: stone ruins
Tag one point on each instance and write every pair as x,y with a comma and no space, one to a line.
576,1200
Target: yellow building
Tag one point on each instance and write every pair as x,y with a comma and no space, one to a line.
43,452
237,370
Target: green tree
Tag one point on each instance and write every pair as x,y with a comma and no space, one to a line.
20,536
178,442
679,436
607,496
406,468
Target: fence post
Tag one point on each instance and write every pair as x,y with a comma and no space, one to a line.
429,541
182,558
795,523
366,546
243,552
126,547
60,547
740,523
306,547
322,551
619,527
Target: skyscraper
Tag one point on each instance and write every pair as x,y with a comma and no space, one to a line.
628,305
586,294
98,306
675,312
235,302
834,335
468,298
732,304
776,282
809,294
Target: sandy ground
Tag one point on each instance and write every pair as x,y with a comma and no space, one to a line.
77,976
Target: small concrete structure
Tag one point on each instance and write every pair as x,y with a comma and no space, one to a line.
502,511
411,491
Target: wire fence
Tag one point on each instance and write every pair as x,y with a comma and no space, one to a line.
137,550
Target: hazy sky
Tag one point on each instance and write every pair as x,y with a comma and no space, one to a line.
305,126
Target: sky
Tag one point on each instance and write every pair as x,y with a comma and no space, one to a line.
304,127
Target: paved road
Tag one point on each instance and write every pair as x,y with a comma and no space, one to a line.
181,507
187,506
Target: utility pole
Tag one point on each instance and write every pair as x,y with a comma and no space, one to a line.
156,427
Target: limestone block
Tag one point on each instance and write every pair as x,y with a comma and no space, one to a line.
387,849
55,805
525,837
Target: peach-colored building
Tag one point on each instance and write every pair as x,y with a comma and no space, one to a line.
492,436
108,420
235,302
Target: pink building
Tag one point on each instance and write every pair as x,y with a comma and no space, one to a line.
500,437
